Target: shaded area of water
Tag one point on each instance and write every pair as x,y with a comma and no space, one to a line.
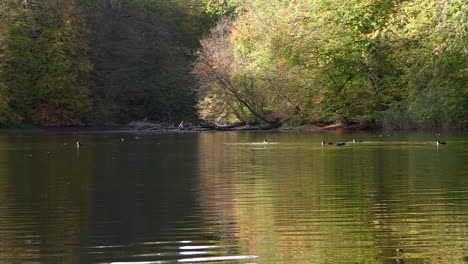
231,198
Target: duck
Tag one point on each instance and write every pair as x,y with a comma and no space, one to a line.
441,142
340,144
79,144
326,143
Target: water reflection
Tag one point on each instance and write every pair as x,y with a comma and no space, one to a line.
233,198
297,202
38,204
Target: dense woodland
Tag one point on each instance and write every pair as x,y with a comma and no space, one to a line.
390,63
98,62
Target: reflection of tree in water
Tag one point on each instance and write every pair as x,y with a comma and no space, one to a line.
334,206
145,190
46,212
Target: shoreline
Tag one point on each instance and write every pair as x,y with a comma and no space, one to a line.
164,129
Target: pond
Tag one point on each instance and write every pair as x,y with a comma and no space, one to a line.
230,197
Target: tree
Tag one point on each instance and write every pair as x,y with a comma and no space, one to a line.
348,61
141,58
5,109
223,87
431,39
45,68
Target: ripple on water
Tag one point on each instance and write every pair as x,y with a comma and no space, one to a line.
184,251
195,199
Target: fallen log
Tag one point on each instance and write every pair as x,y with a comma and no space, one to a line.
217,127
186,127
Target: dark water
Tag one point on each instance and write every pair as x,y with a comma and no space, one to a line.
226,198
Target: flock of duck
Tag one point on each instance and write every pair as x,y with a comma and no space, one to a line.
324,143
79,144
340,144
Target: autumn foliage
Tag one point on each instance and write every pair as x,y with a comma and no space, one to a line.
397,64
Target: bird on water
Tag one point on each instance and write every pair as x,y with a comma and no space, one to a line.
79,144
441,142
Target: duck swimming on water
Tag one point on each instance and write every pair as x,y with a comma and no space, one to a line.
79,144
441,143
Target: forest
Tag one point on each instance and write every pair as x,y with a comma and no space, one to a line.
393,64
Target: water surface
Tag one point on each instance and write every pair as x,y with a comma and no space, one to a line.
231,198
